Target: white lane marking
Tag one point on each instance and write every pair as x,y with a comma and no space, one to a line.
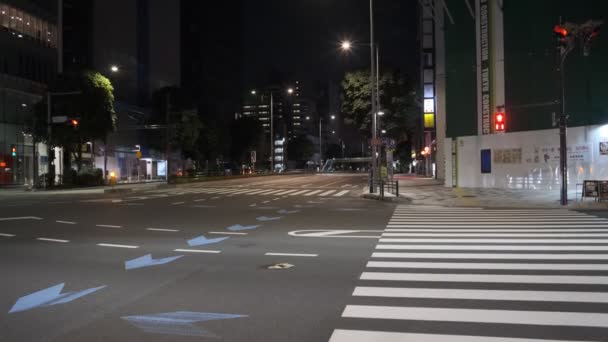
489,230
66,222
330,232
276,199
228,233
494,247
253,205
200,200
334,233
306,185
216,197
340,335
570,241
341,193
313,192
491,219
177,203
257,192
299,192
163,230
20,218
505,216
116,246
503,256
488,266
530,296
583,319
107,226
285,192
52,240
7,235
196,251
60,202
327,193
266,202
480,235
486,278
500,225
292,254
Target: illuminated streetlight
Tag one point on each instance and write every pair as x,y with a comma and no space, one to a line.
308,118
290,91
114,68
333,117
253,92
383,131
346,45
380,113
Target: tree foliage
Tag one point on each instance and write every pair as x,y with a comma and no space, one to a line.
93,107
300,148
397,101
186,128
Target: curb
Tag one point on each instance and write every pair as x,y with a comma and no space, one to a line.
404,200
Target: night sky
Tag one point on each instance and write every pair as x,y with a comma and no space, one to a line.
298,39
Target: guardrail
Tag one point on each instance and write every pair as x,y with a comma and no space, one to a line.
391,186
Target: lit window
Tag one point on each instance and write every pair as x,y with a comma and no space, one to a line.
429,120
429,105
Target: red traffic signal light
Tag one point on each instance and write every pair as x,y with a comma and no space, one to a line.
74,122
500,121
560,31
13,150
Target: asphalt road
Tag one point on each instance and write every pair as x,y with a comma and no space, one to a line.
191,263
84,240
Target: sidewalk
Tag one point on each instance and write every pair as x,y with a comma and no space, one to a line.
425,191
88,190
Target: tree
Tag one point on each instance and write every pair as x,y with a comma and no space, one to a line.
186,128
397,100
246,133
93,108
300,148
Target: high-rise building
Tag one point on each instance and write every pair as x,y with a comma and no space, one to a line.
28,62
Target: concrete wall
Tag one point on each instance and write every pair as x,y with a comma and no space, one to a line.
529,160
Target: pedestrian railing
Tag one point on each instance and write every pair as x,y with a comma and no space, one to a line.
392,186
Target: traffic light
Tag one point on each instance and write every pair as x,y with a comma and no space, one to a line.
561,31
74,122
13,150
500,121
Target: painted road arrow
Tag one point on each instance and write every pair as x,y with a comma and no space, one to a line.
238,227
283,211
146,261
48,297
178,322
266,218
201,240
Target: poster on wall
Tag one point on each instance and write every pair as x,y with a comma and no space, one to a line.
507,156
603,148
580,153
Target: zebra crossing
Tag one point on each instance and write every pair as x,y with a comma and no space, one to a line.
250,192
483,275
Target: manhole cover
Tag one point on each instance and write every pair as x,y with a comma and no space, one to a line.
280,266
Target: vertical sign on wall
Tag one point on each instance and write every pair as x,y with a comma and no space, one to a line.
485,79
454,163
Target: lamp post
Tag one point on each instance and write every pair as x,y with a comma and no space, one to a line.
333,117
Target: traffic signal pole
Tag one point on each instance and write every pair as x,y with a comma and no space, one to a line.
563,144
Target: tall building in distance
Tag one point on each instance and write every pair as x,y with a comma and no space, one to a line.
28,62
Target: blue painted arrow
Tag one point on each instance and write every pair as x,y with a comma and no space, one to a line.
201,240
177,323
238,227
146,261
48,297
266,218
283,211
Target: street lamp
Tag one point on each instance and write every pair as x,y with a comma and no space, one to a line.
289,91
346,45
114,68
333,117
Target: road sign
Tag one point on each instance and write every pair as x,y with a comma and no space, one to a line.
138,154
60,119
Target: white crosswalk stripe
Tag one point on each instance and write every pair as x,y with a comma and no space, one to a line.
474,270
240,191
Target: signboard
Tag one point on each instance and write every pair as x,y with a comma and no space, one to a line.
590,189
603,148
138,154
580,153
485,77
59,119
253,156
507,156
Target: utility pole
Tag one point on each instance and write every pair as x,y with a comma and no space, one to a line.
271,132
373,171
320,142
